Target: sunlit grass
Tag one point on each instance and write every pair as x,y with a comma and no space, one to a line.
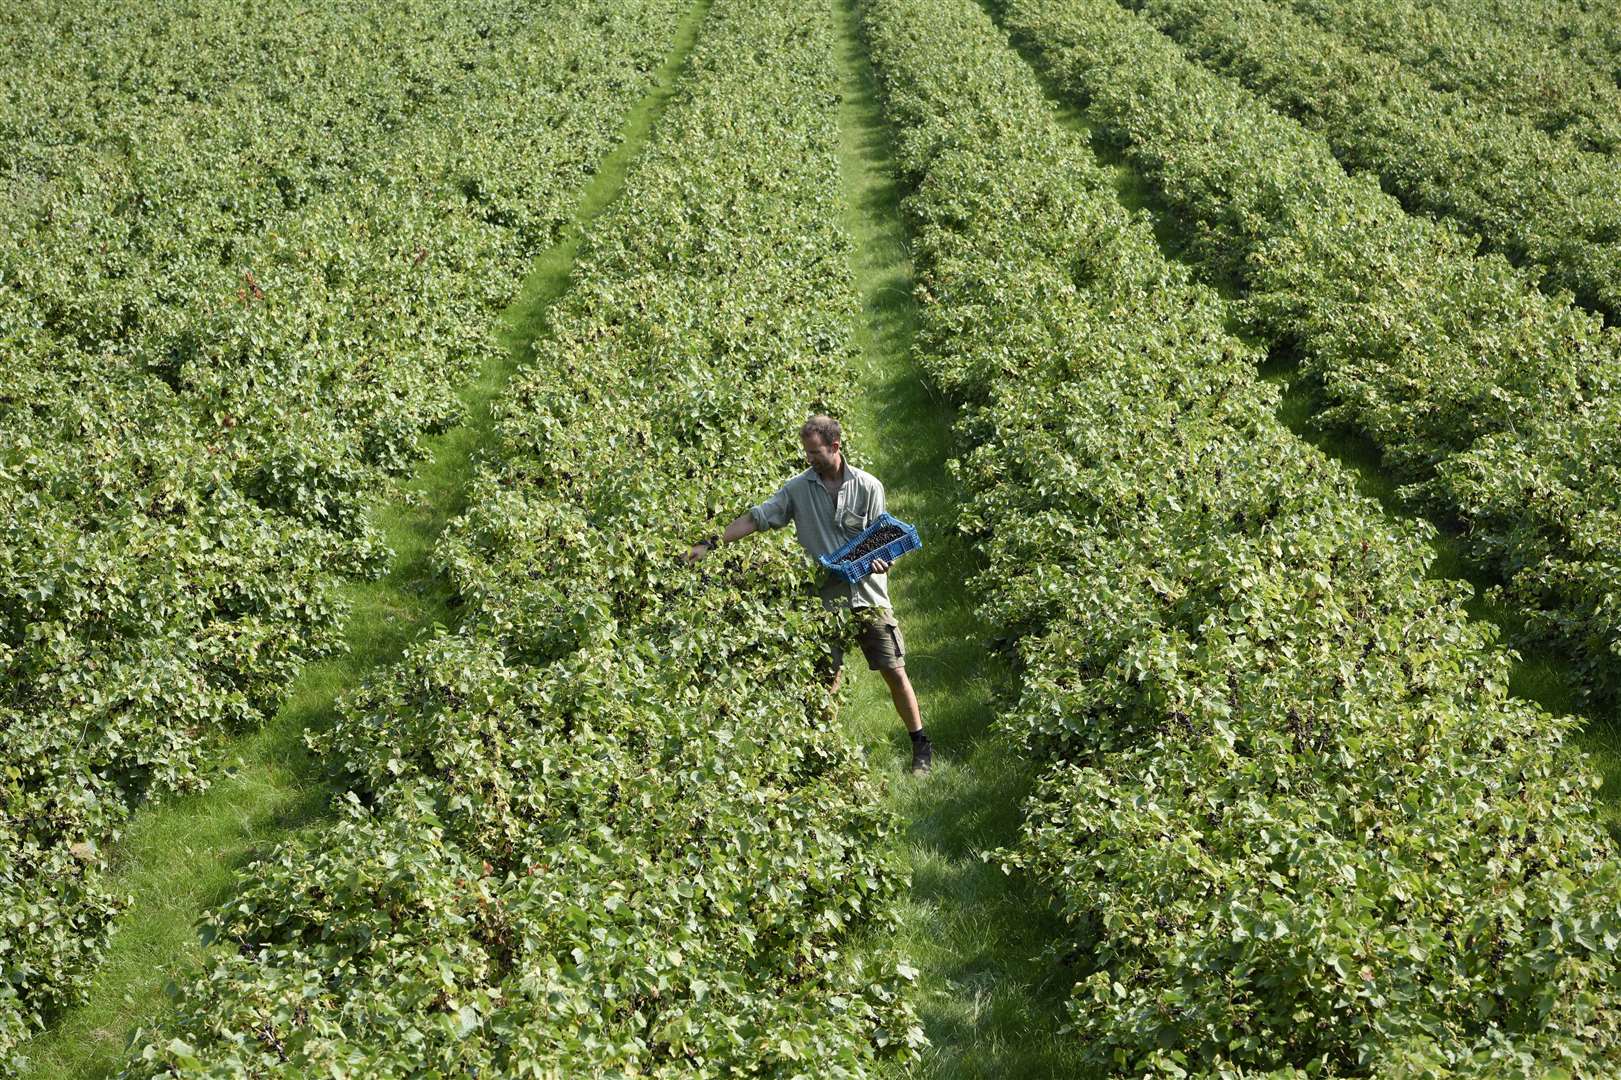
989,991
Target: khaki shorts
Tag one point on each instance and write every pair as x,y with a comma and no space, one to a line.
879,636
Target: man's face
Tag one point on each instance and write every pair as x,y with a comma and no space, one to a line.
823,457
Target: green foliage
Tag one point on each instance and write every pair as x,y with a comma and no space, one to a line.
1534,198
1586,33
1496,403
607,826
227,325
1486,62
1288,808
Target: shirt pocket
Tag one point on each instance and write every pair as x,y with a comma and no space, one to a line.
852,522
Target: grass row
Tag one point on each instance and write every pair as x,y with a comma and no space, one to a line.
989,992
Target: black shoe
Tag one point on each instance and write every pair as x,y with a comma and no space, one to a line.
922,755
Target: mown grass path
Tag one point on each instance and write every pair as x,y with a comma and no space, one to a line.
180,857
990,995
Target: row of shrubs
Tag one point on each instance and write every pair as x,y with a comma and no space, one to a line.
1485,62
247,276
1535,198
608,825
1496,404
1588,33
1284,801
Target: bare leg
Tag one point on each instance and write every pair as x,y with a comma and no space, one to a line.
900,692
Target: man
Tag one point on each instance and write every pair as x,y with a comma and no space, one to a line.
830,503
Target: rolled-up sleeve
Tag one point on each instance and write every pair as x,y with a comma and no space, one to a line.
775,512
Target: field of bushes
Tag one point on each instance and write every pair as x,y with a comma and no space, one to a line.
1292,817
237,294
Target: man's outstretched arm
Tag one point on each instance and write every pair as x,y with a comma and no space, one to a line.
737,530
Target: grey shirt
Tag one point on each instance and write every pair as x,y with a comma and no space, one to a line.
825,523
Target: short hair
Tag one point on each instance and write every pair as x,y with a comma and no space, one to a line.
823,427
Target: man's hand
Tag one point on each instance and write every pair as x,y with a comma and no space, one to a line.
880,566
734,532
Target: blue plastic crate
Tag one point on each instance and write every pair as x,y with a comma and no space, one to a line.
854,570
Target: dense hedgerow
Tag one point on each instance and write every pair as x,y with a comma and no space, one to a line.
1288,807
608,827
1498,404
1484,62
1588,32
240,281
1532,197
